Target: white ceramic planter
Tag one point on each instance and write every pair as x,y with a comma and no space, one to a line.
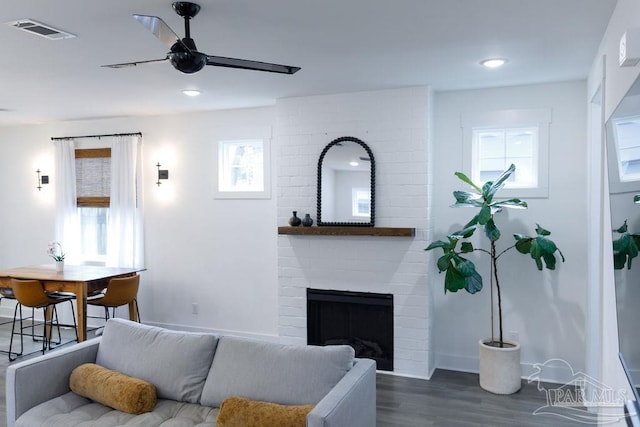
500,371
59,266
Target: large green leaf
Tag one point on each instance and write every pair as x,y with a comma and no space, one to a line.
486,190
619,260
466,247
549,260
467,278
472,223
453,280
464,198
523,243
625,249
444,262
511,203
491,231
541,231
622,228
473,283
466,268
541,249
485,215
499,183
547,245
465,233
438,244
466,179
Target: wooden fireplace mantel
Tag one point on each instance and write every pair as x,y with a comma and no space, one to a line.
348,231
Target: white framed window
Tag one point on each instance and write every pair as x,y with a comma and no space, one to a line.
496,139
623,153
242,169
361,202
627,143
495,149
93,189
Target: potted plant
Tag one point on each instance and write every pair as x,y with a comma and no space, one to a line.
627,246
499,359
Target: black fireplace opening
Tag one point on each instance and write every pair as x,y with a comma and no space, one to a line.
363,320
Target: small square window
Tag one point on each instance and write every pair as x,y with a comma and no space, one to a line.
361,202
494,140
243,170
627,141
496,149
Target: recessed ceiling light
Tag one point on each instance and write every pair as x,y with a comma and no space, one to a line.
493,62
191,92
353,163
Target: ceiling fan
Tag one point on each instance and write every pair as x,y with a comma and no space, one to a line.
183,53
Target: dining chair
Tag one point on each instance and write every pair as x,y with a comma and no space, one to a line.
6,293
31,294
120,291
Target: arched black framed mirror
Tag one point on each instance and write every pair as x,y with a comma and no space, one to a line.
346,184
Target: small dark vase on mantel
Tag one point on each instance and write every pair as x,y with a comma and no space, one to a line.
307,221
294,221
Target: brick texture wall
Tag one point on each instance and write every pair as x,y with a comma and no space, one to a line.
395,125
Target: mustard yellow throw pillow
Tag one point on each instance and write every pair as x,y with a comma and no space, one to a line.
113,389
241,412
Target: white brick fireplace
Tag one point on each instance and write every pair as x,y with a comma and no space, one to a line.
395,125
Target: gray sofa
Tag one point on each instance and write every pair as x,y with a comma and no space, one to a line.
193,373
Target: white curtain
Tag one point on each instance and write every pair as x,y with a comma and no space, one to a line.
67,223
125,232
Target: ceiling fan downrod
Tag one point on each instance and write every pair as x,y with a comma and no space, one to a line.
187,10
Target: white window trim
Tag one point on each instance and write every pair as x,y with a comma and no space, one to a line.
266,168
505,119
616,185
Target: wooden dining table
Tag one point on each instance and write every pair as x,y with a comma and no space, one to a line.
81,280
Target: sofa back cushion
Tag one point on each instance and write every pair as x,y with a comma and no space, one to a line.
175,362
277,373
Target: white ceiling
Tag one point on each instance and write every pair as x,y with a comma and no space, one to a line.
341,45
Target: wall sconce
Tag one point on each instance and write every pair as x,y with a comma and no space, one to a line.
162,174
42,179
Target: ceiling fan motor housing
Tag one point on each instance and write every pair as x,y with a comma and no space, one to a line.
188,61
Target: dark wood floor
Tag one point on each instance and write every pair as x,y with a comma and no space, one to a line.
454,399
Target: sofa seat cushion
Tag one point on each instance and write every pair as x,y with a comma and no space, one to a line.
271,372
176,363
72,410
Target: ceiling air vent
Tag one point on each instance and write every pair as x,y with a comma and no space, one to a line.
40,29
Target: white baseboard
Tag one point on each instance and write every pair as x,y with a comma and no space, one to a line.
550,374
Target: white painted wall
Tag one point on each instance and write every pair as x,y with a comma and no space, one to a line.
225,255
219,254
548,309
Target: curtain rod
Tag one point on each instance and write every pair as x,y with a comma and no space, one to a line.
95,136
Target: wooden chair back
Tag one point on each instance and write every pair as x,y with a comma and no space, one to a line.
30,293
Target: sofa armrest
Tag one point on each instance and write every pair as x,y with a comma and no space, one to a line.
352,402
37,380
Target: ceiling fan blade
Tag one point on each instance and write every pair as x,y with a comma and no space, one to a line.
133,64
221,61
159,28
